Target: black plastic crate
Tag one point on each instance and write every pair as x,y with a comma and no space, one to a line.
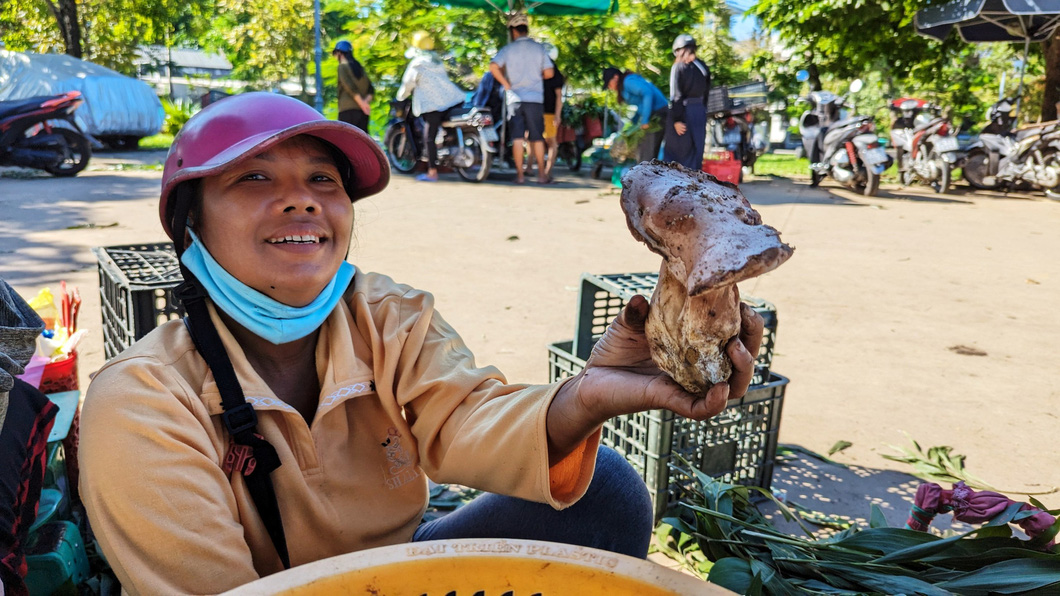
718,100
602,297
136,285
736,446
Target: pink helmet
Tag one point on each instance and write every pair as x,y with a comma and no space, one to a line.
242,126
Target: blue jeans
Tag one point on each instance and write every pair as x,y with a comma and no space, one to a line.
615,514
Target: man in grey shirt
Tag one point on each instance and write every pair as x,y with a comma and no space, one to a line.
521,67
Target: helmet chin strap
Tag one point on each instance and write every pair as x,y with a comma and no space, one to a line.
238,417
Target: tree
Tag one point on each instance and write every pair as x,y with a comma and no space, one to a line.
106,33
843,39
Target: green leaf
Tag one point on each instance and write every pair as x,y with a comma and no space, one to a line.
884,580
887,540
839,446
813,454
876,518
732,573
1007,577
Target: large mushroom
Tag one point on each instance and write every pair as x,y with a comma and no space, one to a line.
710,238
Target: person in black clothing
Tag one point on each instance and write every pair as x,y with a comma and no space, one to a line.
686,123
26,418
553,109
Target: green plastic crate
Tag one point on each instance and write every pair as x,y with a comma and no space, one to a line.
56,560
601,298
736,446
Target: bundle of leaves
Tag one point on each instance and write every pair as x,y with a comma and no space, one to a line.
624,147
723,537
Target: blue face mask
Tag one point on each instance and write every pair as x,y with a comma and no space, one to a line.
265,317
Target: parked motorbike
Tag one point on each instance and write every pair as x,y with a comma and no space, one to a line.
926,148
845,148
734,130
1006,159
464,140
41,133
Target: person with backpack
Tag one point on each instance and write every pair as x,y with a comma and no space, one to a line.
355,90
299,409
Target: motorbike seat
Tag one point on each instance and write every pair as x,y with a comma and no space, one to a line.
22,106
926,125
1033,129
846,122
460,114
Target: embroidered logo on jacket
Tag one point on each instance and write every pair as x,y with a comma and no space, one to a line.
399,470
239,457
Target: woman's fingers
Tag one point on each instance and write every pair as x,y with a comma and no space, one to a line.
751,326
743,368
623,343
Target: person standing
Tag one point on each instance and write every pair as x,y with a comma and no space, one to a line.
686,123
651,105
553,107
521,67
355,90
433,95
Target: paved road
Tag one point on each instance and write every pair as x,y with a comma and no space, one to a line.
933,315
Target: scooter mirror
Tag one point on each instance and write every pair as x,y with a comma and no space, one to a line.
856,85
802,76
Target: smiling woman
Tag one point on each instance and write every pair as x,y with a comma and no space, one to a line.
299,409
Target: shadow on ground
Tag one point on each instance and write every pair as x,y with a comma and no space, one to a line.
845,493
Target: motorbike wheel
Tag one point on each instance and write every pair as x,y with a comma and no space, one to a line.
400,150
815,179
481,160
872,183
975,169
596,171
568,154
76,152
945,174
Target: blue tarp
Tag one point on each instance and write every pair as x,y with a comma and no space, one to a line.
114,103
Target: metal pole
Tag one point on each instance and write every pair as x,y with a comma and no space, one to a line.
318,55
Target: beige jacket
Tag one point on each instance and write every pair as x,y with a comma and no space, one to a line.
401,399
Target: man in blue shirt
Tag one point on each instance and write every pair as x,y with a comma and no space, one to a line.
521,67
651,103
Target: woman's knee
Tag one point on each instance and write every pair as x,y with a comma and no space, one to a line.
617,483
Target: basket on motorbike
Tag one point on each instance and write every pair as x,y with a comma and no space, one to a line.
723,166
399,108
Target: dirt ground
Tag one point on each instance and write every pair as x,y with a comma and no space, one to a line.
910,312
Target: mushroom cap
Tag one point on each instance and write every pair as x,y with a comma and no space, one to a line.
705,229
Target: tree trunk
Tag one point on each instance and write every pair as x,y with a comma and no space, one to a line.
1051,49
303,82
815,77
65,14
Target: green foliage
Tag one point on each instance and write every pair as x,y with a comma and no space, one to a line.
750,556
110,31
960,76
155,142
940,464
176,116
29,27
586,105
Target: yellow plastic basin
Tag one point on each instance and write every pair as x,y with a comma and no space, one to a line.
487,566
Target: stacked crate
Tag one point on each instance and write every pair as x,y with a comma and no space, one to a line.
737,446
136,284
